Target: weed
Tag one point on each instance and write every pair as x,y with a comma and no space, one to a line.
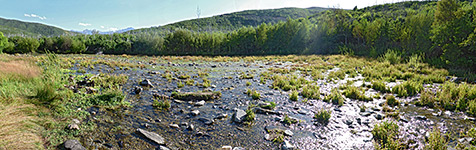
380,86
288,120
255,95
180,84
323,116
385,135
279,139
269,105
471,108
353,92
246,76
391,101
293,96
46,94
164,104
310,91
335,97
250,116
436,141
184,76
407,88
189,82
427,98
392,57
110,99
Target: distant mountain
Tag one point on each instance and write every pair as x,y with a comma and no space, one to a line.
89,32
232,21
11,27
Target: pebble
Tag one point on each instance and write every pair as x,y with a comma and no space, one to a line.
174,125
195,112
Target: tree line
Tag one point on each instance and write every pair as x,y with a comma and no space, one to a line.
443,32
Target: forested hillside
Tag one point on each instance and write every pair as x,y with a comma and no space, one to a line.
442,33
15,27
233,21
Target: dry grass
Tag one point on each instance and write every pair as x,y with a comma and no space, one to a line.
18,130
19,69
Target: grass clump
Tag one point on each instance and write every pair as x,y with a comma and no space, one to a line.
293,96
46,94
391,100
353,92
323,116
163,104
436,141
471,108
254,94
335,97
196,95
392,57
246,76
110,99
180,84
380,86
407,88
310,91
385,135
248,83
250,116
427,98
288,120
189,82
184,76
269,105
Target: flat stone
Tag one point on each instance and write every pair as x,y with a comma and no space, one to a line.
221,116
152,136
162,148
226,147
348,122
76,121
206,121
238,148
146,82
267,137
73,145
200,103
239,115
366,113
260,110
174,126
195,112
303,112
288,133
420,117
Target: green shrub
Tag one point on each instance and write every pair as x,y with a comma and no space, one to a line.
323,116
46,94
427,98
293,96
254,94
164,104
385,135
436,141
392,57
380,86
250,116
391,101
407,88
471,108
335,97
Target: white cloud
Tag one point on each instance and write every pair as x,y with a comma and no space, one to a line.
102,27
84,24
35,16
113,29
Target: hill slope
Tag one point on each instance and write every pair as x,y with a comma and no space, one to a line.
15,27
232,21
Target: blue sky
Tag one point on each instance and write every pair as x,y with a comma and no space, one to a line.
107,15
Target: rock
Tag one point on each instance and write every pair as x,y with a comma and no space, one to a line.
238,148
420,117
146,82
73,126
195,112
348,122
366,113
108,145
226,147
288,133
174,126
75,121
239,115
152,136
379,116
206,121
137,89
90,90
221,116
213,66
200,103
160,96
303,112
191,127
267,137
271,129
73,145
183,124
287,145
162,148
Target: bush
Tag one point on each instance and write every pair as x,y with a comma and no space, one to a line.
293,96
380,86
335,97
472,108
385,135
310,91
353,92
392,57
323,116
391,101
426,99
407,88
436,141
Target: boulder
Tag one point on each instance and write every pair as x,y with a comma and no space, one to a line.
195,112
137,89
152,136
239,115
146,82
200,103
73,145
287,145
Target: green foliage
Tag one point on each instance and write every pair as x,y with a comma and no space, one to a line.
436,141
46,94
293,96
386,135
392,57
270,105
110,98
180,84
250,116
335,97
391,101
287,120
323,116
15,27
3,42
407,88
311,91
248,83
163,104
427,98
380,86
353,92
255,95
472,108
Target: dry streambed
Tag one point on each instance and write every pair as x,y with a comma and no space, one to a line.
217,110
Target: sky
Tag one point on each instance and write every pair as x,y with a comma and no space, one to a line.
111,15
